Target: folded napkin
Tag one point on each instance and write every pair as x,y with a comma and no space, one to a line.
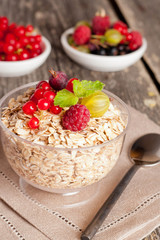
30,214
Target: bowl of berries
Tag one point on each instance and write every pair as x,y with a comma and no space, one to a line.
63,134
102,46
22,50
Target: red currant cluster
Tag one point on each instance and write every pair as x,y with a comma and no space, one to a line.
18,42
42,99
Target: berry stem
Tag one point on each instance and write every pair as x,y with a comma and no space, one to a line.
54,74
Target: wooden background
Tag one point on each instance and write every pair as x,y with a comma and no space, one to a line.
139,85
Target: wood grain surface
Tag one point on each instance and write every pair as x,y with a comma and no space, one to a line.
144,16
134,85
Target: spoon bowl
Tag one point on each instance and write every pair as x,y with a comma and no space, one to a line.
144,152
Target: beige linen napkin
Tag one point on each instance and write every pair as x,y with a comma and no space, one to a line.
38,215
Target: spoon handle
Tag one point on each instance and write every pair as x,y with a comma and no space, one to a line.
93,227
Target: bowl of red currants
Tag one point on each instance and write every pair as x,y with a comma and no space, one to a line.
102,45
22,49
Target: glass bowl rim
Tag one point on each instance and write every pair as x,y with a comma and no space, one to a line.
32,84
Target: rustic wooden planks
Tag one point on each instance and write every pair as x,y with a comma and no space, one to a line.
144,16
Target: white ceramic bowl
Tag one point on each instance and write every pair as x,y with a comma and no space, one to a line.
19,68
101,63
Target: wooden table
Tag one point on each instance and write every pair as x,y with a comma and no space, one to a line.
139,85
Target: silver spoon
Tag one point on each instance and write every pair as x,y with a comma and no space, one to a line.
144,152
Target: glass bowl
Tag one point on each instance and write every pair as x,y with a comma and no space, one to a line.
60,170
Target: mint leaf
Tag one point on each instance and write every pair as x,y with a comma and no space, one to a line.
86,88
65,98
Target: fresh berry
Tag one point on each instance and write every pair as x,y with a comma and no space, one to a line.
40,83
24,41
97,103
101,51
34,99
32,39
20,31
1,46
112,51
29,108
136,40
12,27
11,39
1,35
58,80
100,24
69,86
24,55
33,123
34,46
121,27
8,48
18,45
113,37
29,28
4,20
55,109
129,37
3,27
76,118
39,93
38,38
12,57
46,86
43,104
82,35
49,95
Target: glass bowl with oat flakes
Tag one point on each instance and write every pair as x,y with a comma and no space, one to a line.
61,135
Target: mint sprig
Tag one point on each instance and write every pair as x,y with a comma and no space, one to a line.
81,89
65,98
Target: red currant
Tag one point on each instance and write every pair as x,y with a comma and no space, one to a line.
33,123
24,40
35,46
45,86
32,39
20,31
4,20
12,27
55,109
69,86
29,28
133,45
49,95
18,45
3,27
43,104
38,38
34,54
121,27
1,46
34,99
12,57
129,37
1,34
39,93
8,48
24,54
10,38
39,84
29,108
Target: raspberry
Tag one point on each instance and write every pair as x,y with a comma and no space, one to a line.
82,35
100,24
121,27
136,40
76,118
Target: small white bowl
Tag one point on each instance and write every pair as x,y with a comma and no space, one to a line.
101,63
20,68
